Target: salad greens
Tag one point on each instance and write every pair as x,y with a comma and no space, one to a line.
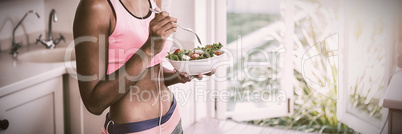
197,53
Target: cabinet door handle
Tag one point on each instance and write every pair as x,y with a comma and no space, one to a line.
4,124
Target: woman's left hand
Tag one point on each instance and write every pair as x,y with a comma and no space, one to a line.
183,77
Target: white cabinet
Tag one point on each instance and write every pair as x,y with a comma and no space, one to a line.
37,109
78,118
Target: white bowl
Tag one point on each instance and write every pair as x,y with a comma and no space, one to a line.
194,67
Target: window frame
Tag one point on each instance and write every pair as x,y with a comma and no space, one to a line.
216,24
343,115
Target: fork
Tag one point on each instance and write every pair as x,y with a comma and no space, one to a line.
187,29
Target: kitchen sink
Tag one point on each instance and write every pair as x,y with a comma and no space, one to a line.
47,56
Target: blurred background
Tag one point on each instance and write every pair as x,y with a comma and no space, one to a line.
293,66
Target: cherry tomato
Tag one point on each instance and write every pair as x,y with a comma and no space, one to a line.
209,47
217,53
192,56
177,51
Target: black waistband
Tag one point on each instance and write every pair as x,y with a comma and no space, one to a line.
138,126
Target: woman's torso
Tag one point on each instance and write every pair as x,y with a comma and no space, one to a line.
142,102
129,34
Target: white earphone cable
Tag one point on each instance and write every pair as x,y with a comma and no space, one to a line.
159,88
160,97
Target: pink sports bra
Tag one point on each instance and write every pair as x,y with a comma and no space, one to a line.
130,33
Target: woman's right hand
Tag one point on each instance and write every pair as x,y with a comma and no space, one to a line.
161,27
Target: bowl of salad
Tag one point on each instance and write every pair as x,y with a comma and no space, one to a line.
197,60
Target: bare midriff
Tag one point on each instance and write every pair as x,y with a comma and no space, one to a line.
142,101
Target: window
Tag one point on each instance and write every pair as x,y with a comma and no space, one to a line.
325,44
260,78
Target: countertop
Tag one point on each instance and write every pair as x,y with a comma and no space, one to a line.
393,96
17,75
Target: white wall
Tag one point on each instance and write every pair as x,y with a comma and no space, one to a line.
11,12
183,10
65,10
253,6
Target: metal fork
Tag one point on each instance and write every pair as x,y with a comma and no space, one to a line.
187,29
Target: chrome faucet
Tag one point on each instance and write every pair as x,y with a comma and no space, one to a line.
14,45
50,43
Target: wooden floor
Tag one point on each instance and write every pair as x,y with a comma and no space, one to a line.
216,126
